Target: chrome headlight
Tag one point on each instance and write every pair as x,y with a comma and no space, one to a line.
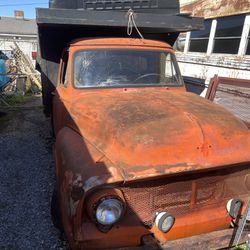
109,211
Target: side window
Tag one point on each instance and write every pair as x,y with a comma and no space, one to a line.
64,74
169,67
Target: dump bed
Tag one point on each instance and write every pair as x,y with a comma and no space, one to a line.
164,6
67,20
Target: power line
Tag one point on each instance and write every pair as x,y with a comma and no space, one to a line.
20,4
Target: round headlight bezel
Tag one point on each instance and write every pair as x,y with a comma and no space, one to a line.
161,219
94,199
107,201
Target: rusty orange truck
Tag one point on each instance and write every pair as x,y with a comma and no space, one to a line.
140,163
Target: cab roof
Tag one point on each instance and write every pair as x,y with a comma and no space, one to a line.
120,42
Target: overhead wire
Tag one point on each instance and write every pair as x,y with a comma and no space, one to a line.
21,4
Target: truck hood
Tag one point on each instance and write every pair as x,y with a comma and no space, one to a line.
148,132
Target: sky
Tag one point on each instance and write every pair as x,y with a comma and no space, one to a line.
7,7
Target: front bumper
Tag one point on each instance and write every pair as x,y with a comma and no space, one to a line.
213,240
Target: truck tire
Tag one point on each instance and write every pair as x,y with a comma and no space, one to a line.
55,211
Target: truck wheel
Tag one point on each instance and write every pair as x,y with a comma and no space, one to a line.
55,211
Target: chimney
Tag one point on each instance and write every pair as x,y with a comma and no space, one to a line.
19,14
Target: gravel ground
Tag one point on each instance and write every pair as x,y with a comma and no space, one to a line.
27,179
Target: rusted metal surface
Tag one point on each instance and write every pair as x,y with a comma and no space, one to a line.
149,143
233,94
212,9
140,129
135,128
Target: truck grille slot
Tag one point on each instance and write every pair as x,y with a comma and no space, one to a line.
119,4
182,195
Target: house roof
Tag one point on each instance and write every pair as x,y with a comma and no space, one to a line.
12,25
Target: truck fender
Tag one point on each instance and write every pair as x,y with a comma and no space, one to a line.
80,166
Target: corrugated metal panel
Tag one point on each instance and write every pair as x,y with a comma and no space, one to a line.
218,8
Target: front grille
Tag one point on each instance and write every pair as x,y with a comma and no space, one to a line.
184,194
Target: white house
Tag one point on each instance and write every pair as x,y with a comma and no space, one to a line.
21,30
223,47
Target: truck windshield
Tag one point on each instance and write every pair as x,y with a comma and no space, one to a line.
113,68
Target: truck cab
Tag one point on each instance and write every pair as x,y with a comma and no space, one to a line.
118,64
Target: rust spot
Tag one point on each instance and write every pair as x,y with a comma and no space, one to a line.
210,9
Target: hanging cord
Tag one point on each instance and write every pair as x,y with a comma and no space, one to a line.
131,24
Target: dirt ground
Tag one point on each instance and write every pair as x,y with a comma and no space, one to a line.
27,179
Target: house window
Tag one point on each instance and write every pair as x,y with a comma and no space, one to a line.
228,34
248,46
199,39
